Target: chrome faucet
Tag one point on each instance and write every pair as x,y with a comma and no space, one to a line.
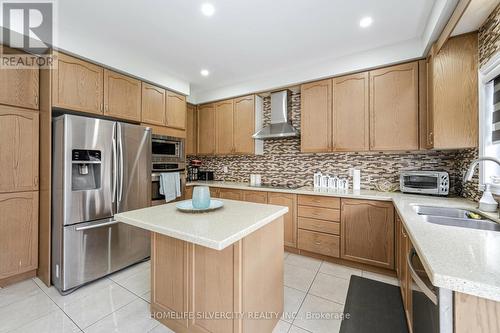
470,171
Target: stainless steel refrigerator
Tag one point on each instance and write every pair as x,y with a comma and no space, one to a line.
99,168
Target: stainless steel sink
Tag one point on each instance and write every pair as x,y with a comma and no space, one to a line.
457,217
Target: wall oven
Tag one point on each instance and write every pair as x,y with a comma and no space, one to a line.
167,156
432,307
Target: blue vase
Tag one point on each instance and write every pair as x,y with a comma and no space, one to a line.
201,197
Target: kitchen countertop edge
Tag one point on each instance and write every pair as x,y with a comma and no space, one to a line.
403,204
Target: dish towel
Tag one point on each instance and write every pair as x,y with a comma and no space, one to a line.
170,185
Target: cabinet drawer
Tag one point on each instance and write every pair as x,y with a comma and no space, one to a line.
316,242
320,213
319,201
319,225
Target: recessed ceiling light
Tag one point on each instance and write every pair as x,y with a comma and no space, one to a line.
365,22
204,72
207,9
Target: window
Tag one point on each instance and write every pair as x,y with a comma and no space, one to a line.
489,121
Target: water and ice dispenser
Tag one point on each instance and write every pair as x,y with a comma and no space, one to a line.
86,169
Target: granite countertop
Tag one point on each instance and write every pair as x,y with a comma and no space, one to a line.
216,229
461,259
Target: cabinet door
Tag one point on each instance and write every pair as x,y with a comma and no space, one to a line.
367,232
316,116
122,96
19,87
224,128
176,110
77,85
394,108
18,233
350,113
18,149
206,129
455,94
153,105
244,125
255,196
188,193
231,194
191,130
290,218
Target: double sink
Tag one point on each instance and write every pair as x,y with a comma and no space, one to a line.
456,217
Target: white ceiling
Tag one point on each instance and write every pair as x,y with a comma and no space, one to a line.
247,45
475,14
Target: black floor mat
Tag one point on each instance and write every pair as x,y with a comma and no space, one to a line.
373,307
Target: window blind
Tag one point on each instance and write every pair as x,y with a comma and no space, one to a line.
495,138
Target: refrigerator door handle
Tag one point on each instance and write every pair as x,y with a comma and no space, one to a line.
115,166
120,147
94,226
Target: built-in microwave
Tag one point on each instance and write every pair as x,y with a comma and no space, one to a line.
425,182
167,148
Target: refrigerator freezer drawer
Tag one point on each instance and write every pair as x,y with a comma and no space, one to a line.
95,249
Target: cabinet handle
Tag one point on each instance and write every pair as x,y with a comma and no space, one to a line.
100,108
317,243
36,100
430,137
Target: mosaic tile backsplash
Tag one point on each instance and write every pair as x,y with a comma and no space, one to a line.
489,37
282,162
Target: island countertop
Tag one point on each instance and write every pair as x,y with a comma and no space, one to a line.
216,229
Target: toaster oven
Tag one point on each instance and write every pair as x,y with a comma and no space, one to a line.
425,182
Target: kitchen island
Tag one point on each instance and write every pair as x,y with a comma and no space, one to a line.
220,271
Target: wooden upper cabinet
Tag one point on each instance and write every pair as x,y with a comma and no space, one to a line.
316,116
18,233
18,149
176,111
367,232
153,105
206,129
244,125
122,96
394,108
191,130
224,127
77,85
290,218
19,87
351,112
453,113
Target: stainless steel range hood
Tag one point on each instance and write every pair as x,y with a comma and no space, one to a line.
280,126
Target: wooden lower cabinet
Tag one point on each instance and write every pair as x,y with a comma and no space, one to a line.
290,218
18,233
319,242
368,232
245,277
403,247
254,196
188,192
231,194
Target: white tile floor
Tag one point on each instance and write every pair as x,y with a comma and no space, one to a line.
119,303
